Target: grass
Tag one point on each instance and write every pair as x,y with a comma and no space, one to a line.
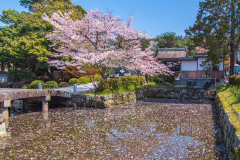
230,98
158,84
133,88
120,90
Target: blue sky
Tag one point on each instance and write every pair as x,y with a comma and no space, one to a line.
152,17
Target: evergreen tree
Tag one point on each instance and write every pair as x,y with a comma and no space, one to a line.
23,39
217,29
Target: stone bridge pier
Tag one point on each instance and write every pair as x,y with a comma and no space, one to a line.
43,95
6,104
4,110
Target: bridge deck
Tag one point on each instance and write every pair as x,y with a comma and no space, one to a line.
12,93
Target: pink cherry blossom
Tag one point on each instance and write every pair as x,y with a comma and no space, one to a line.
100,39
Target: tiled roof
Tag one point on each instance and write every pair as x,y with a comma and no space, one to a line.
169,53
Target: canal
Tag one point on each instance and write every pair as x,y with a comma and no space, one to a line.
146,129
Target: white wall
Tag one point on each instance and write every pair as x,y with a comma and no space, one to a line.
189,65
200,60
3,78
221,66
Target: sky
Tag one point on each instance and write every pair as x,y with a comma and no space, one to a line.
153,17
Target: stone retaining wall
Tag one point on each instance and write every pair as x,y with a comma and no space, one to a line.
107,101
230,136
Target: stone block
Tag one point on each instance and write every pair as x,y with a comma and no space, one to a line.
6,103
47,98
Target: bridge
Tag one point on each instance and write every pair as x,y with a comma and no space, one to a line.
44,95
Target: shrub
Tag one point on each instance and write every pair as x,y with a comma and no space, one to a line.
37,81
34,84
207,85
218,87
73,81
117,83
125,82
50,84
166,78
103,85
237,80
84,80
232,79
19,74
63,84
97,78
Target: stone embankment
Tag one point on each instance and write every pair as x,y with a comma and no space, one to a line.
230,138
108,101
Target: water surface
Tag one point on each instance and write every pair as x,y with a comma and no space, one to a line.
146,129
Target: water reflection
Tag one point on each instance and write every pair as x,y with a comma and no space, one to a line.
138,130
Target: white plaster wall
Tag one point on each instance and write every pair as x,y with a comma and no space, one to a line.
221,66
189,65
3,78
200,60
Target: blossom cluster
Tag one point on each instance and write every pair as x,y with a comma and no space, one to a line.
100,39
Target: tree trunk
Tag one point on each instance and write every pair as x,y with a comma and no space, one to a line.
61,75
232,42
49,74
104,73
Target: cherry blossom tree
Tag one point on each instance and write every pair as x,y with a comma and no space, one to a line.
100,39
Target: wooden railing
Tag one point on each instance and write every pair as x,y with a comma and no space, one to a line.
202,74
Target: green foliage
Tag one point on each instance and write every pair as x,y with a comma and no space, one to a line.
63,84
50,84
34,84
171,40
103,85
229,97
125,81
115,84
84,80
25,87
237,80
37,81
158,84
207,85
97,77
232,79
19,74
120,90
216,29
145,43
218,87
22,43
168,40
73,81
166,78
236,156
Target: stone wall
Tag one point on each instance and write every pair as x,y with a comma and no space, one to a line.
107,101
230,136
